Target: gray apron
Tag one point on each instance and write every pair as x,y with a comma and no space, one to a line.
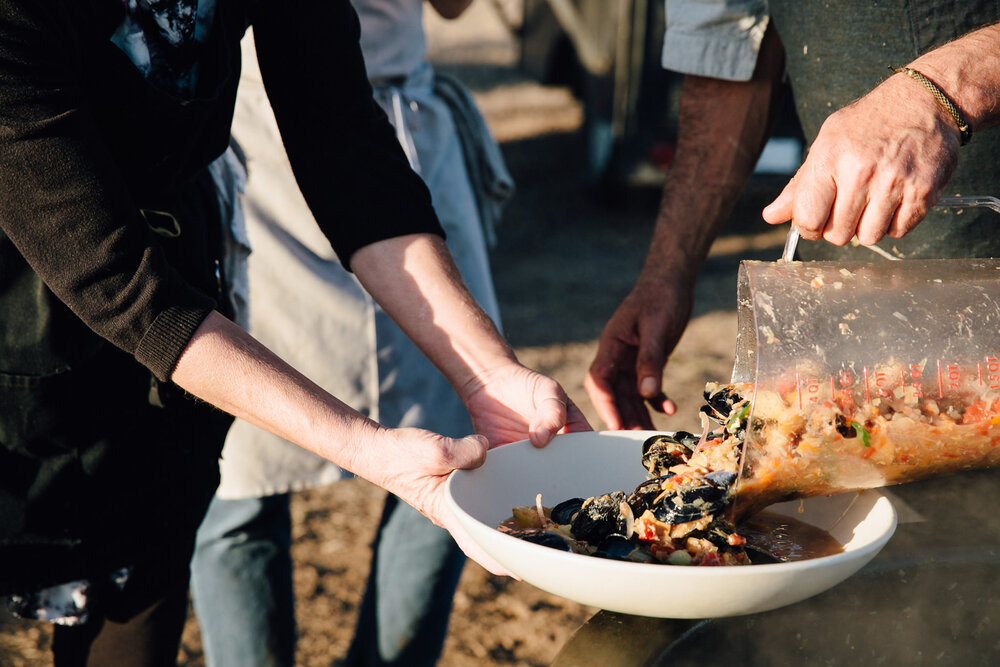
825,77
314,314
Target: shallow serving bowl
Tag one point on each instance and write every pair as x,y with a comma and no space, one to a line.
588,464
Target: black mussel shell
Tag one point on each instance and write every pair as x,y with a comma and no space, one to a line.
599,517
663,453
721,478
689,440
718,533
692,502
722,400
845,429
710,412
758,556
564,512
542,537
642,498
662,439
615,547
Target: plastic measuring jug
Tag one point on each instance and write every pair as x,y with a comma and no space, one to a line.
866,375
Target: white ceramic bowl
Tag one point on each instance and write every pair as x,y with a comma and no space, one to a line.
588,464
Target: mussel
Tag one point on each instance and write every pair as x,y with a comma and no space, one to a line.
564,512
642,498
601,516
619,547
721,401
542,537
696,498
662,452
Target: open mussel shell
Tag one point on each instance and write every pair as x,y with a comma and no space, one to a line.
663,455
542,537
601,516
665,450
721,402
722,479
758,556
683,438
565,512
617,547
689,440
642,498
722,399
702,497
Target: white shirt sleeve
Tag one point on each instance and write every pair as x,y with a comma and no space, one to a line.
714,38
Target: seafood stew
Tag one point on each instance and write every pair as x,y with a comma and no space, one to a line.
592,463
797,450
681,514
769,446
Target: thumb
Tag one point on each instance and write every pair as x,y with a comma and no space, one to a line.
549,418
651,359
780,210
468,452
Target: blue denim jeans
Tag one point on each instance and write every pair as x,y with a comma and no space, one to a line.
242,586
241,582
415,571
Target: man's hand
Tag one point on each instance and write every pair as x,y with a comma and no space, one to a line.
722,128
875,168
878,165
627,371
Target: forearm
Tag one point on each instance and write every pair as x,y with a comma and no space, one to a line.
415,280
968,71
722,128
226,367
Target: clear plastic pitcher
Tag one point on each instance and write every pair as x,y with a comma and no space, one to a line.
866,375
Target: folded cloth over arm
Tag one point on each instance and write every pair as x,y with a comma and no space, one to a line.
491,182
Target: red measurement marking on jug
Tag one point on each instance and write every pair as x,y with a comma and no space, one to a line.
993,372
914,381
916,373
808,389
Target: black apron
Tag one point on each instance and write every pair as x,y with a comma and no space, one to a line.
101,466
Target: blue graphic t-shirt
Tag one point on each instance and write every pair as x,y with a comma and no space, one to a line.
163,39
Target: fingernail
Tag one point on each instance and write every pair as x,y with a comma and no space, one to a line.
648,387
543,435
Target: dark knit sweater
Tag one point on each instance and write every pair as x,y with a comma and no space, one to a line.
85,142
100,467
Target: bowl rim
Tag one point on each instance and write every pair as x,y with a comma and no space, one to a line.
885,525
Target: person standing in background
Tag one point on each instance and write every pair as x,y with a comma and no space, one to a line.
315,314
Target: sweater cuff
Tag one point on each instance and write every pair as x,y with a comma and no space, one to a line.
166,338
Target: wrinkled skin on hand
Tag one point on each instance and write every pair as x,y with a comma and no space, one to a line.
627,371
506,404
513,403
875,168
414,464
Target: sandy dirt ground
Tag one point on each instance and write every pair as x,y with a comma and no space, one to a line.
565,258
